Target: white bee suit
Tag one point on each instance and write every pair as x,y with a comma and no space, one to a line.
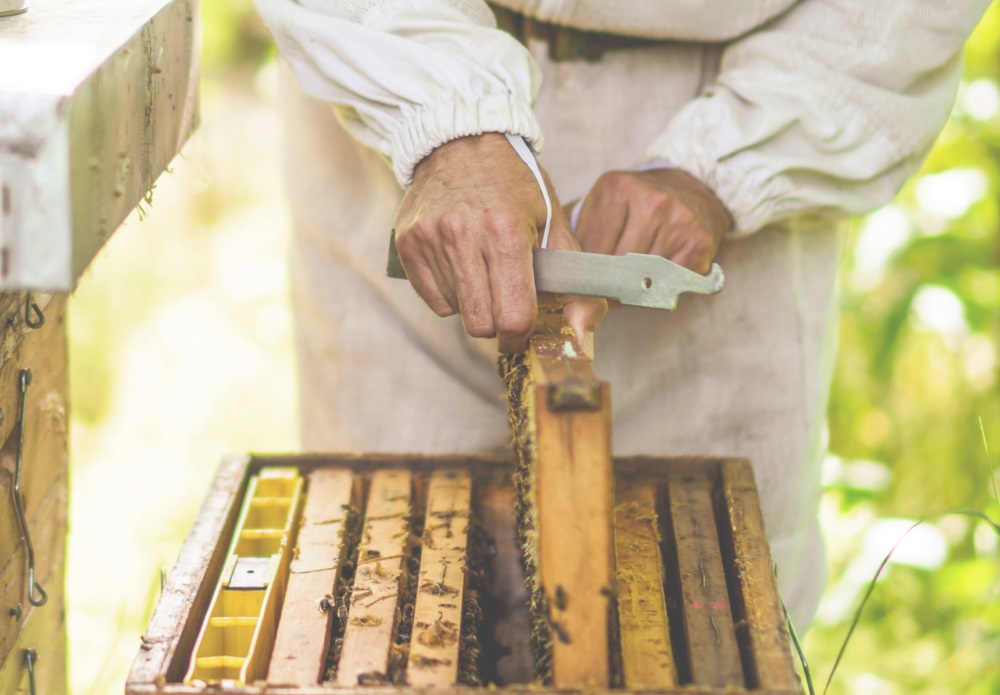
794,113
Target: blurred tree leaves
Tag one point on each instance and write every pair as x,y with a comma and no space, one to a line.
234,36
917,371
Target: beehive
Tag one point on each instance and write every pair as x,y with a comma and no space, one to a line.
406,574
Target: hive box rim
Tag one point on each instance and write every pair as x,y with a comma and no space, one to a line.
186,588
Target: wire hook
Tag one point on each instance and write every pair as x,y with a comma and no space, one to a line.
24,382
32,307
30,657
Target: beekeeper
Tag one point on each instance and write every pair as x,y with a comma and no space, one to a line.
733,132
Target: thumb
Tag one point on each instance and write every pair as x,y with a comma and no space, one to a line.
582,314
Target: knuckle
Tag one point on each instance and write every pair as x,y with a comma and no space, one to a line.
406,238
503,221
512,323
452,226
413,238
658,202
700,249
478,326
442,309
508,234
682,216
614,182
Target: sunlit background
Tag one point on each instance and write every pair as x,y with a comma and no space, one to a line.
181,351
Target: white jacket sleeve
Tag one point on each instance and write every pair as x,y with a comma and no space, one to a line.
827,109
408,76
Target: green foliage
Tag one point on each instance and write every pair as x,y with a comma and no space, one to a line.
917,373
233,36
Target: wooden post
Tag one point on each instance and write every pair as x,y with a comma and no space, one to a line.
437,616
304,631
647,658
371,622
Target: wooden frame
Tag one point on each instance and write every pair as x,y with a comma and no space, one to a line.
570,497
763,643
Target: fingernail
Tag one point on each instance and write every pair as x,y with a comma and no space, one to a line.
587,344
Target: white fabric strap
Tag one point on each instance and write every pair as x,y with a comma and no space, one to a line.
525,153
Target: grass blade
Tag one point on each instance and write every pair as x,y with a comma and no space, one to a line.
871,586
989,461
798,649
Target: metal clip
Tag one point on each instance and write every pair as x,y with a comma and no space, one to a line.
30,657
29,307
25,380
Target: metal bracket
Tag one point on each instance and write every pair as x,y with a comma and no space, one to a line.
25,381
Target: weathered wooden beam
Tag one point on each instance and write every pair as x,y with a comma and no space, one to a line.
45,634
43,352
647,657
437,616
96,99
374,609
303,635
48,537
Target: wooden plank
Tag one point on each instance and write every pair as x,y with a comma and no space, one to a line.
647,657
574,491
507,593
304,631
85,131
371,622
45,632
166,646
45,442
437,616
713,654
763,629
48,536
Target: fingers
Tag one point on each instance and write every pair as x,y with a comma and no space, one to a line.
480,268
512,286
605,213
428,278
665,212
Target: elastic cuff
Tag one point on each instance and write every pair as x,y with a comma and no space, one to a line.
424,129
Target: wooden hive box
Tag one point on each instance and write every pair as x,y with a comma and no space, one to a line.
406,575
